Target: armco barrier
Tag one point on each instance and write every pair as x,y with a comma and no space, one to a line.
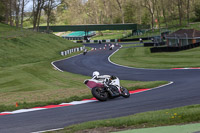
135,39
174,49
151,44
64,53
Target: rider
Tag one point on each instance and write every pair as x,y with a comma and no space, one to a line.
106,78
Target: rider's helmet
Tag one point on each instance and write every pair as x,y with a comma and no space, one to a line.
95,73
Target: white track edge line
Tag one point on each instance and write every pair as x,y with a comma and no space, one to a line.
52,63
48,130
171,82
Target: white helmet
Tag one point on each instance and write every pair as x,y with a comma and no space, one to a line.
95,73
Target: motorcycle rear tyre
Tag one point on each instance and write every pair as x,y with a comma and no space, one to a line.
125,92
99,94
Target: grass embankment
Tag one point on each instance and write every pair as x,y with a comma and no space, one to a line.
27,76
110,34
132,45
141,57
182,115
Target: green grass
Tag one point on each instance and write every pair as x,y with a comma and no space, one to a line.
26,74
109,34
141,57
128,45
181,115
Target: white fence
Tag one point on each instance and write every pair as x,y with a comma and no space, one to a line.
64,53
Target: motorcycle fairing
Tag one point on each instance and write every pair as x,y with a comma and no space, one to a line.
92,84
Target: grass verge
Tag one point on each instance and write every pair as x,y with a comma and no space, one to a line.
131,45
141,57
181,115
56,95
110,34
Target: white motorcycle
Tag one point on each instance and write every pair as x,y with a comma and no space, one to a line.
102,89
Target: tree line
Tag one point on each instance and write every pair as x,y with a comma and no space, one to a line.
154,12
12,11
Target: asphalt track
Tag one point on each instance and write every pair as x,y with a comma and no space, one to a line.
184,91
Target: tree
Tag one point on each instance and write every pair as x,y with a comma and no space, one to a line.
120,4
188,12
22,13
2,11
36,13
164,8
17,11
150,5
158,9
180,10
50,5
23,3
197,12
11,12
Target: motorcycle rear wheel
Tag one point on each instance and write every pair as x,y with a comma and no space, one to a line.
99,93
125,93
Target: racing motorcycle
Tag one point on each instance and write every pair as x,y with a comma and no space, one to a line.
102,89
85,52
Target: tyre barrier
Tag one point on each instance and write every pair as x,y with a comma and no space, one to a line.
174,49
151,44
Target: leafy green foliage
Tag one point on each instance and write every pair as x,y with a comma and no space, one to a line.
2,7
197,12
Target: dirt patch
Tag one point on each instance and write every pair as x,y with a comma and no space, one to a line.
100,130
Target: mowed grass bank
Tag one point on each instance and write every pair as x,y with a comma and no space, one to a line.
27,76
111,34
141,57
175,116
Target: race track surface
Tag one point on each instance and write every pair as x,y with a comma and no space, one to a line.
184,91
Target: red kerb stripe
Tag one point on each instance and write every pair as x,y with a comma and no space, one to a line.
136,91
5,113
52,106
89,99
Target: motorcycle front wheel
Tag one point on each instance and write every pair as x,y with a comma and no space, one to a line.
124,92
99,93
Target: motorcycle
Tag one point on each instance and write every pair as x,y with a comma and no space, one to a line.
102,89
111,47
85,52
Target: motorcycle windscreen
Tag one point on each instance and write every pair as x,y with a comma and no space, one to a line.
92,84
